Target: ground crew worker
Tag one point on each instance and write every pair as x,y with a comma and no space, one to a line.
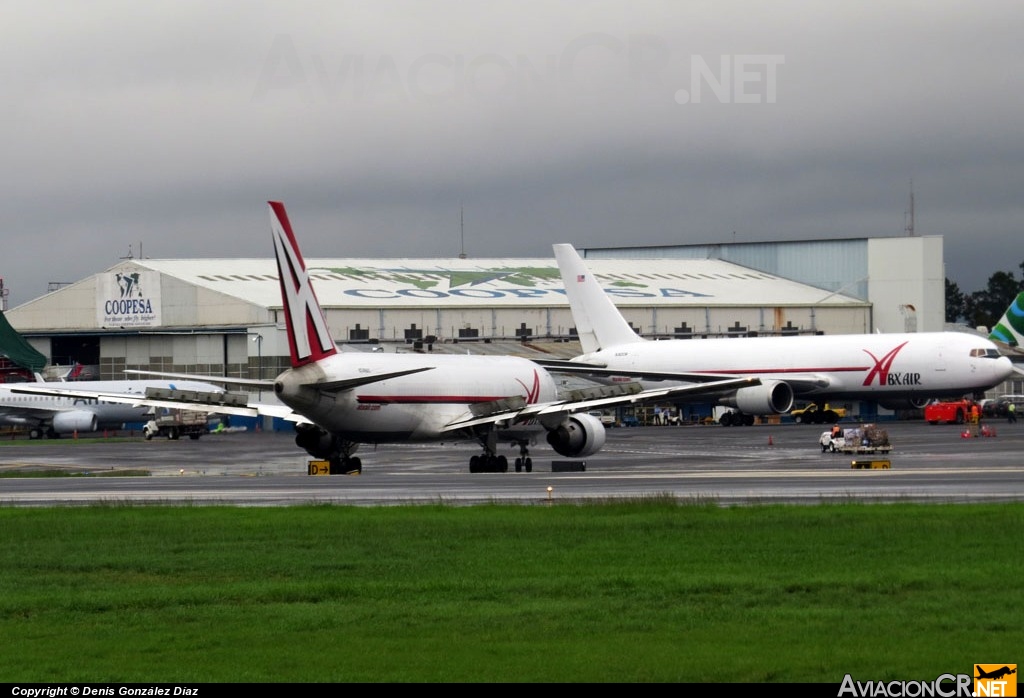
975,418
1011,413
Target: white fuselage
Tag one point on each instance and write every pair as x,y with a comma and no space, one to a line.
413,407
853,367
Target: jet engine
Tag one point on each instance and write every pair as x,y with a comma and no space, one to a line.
579,435
315,441
913,403
70,422
771,397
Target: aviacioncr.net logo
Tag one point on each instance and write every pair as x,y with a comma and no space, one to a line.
995,680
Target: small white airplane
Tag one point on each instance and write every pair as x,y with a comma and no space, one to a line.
895,370
46,410
340,400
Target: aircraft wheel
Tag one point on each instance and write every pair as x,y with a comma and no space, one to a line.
528,464
474,464
502,464
748,420
519,465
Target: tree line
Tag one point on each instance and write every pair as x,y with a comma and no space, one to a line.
987,306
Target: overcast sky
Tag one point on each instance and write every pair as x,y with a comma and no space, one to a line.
162,128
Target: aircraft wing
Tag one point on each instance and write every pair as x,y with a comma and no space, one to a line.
26,411
515,409
602,371
255,383
213,403
263,384
801,383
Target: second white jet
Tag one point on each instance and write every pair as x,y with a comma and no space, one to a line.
895,370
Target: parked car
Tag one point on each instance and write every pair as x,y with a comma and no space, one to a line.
998,407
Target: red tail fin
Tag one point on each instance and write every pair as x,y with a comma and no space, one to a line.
308,337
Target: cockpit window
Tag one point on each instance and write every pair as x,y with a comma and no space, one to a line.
985,353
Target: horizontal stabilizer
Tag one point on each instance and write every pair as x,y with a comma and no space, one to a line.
349,383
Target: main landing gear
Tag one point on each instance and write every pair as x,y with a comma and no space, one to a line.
345,465
489,462
524,462
333,449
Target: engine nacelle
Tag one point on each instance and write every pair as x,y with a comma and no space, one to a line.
914,403
579,435
771,397
315,441
70,422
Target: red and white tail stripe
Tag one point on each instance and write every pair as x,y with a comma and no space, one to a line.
304,318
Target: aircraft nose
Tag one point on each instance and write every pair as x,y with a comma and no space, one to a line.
1003,368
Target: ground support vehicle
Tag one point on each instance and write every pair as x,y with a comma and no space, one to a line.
868,439
177,423
812,414
948,411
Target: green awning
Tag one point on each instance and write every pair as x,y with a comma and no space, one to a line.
15,348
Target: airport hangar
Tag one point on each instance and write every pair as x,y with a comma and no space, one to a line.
224,316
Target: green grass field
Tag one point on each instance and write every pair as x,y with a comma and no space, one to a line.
646,591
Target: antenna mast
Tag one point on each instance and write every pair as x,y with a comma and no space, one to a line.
910,225
462,233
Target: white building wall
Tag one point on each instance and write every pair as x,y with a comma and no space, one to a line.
907,284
